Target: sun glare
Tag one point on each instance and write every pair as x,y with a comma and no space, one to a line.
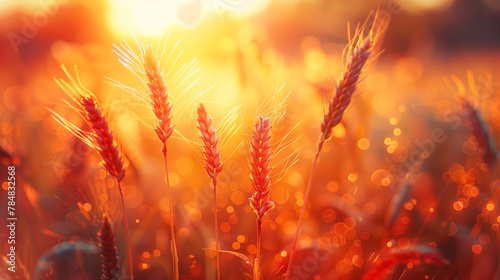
153,17
150,17
420,5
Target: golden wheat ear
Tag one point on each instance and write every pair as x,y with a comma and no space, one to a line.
165,78
146,64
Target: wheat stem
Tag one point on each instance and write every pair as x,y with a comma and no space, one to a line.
213,163
257,260
127,232
356,55
175,258
216,230
301,217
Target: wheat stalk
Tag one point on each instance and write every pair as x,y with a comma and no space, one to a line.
260,176
162,108
146,65
213,163
356,55
478,128
101,139
108,252
415,255
268,162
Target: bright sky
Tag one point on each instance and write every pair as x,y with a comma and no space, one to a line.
153,16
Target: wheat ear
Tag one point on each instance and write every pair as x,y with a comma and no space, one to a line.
356,55
106,146
160,101
213,164
478,128
101,138
416,256
107,252
260,176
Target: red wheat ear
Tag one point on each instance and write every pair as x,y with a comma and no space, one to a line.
106,146
107,252
475,124
213,164
101,137
415,255
260,168
356,55
211,153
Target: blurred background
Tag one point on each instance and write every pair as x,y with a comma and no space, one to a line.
382,183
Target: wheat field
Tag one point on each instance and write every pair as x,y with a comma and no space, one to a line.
259,139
